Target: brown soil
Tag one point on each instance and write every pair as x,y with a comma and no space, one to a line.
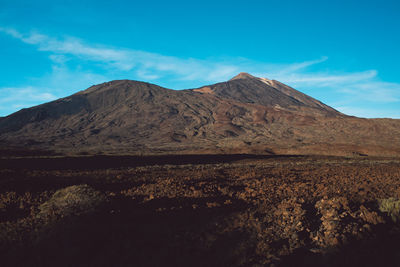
233,210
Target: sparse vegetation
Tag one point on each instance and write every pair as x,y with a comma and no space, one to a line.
391,206
72,200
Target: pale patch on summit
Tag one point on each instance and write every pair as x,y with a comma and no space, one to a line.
267,81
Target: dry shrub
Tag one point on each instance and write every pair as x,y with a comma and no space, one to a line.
72,200
391,206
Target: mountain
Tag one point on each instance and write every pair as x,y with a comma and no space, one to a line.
246,114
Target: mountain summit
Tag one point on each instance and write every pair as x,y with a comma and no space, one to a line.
246,114
243,75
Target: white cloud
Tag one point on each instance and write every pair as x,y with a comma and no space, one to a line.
154,66
10,94
369,113
301,65
59,59
19,97
374,91
64,80
326,79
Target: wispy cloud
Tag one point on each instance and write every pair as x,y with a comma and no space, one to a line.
20,97
10,94
146,65
374,91
294,67
152,65
369,113
326,79
346,88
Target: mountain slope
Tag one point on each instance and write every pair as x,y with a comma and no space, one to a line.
246,88
243,115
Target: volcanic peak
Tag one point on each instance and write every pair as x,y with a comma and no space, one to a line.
243,75
239,115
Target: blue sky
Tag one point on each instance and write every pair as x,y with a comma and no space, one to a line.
344,53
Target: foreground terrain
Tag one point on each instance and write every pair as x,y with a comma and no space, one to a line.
233,210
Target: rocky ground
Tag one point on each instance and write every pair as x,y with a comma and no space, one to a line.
200,211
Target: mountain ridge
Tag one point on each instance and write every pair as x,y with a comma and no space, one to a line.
246,114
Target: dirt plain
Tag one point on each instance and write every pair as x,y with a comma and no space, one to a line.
204,210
